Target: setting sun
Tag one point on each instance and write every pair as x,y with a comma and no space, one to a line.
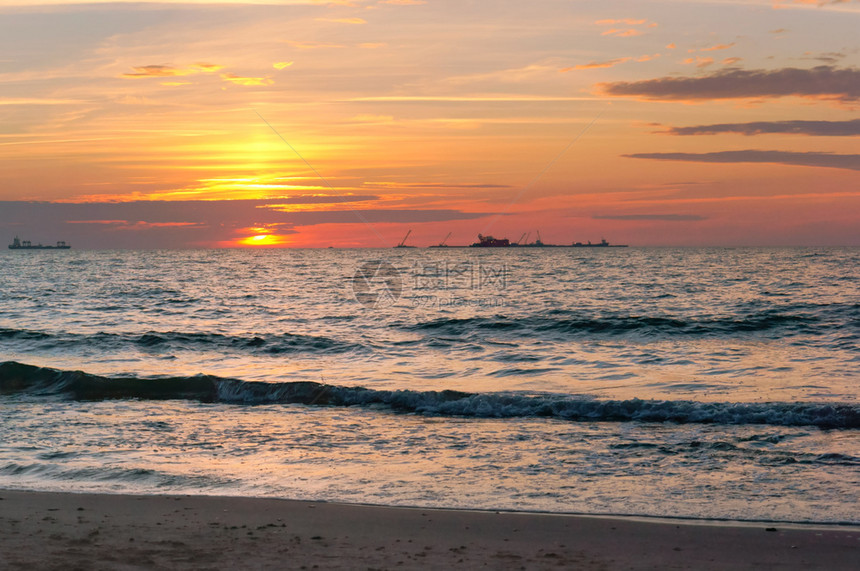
647,123
263,240
563,272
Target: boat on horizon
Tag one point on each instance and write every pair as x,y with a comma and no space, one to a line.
603,244
443,243
18,244
490,242
402,243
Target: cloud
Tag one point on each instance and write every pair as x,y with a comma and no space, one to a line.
809,159
170,71
660,217
778,3
824,82
827,57
731,60
136,225
445,185
624,32
717,47
403,2
37,101
248,81
813,128
282,64
600,64
91,3
509,98
180,224
701,62
619,33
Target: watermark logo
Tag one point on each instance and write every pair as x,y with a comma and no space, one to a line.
431,284
458,275
377,284
458,283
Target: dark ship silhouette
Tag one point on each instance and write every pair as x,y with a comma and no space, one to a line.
490,242
18,244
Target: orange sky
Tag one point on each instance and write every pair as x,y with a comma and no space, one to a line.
310,124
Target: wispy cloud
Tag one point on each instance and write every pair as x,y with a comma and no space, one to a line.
171,71
701,62
247,81
827,57
655,217
809,159
37,101
189,223
814,128
717,47
622,33
779,3
282,64
824,82
135,225
633,29
599,64
513,98
434,185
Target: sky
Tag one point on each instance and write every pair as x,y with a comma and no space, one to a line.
348,123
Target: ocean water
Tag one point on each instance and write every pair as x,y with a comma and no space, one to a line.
700,383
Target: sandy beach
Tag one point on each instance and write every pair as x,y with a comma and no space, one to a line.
99,531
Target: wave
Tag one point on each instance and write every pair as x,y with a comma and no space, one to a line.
19,378
175,340
818,323
570,324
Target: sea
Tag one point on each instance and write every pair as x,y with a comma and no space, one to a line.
704,383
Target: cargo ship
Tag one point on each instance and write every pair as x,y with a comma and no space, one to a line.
18,244
490,242
602,244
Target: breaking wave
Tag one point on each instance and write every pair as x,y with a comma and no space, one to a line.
19,378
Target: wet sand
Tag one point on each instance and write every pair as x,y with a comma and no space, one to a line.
98,531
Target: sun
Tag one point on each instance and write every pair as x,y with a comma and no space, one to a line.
263,240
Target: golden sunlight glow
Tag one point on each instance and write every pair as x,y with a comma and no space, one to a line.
263,240
291,122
